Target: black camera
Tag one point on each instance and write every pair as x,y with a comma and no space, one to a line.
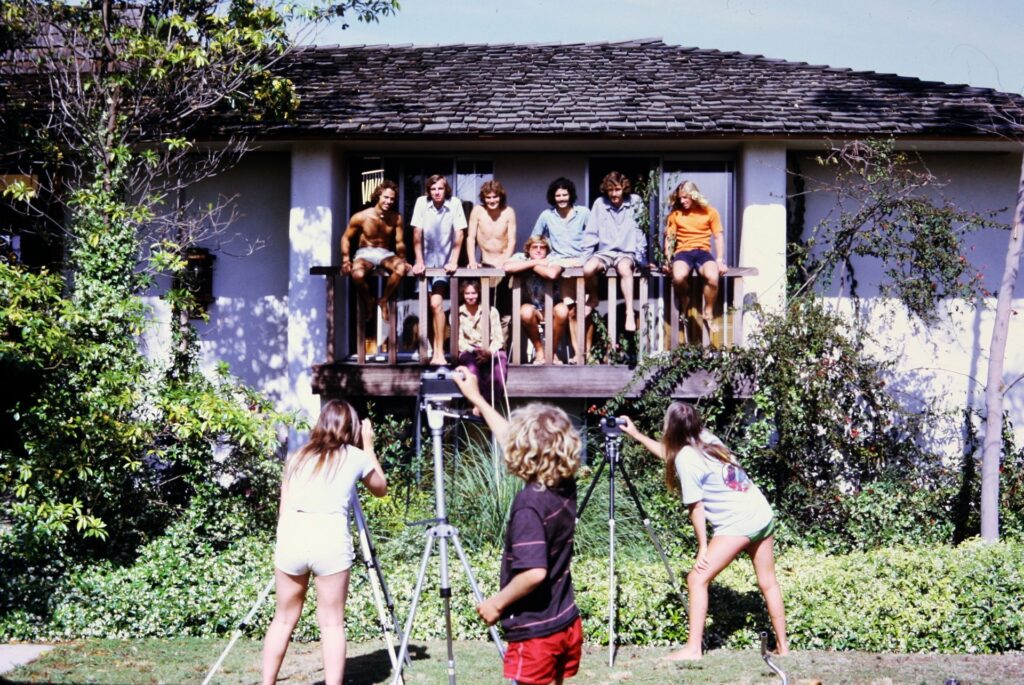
439,384
612,425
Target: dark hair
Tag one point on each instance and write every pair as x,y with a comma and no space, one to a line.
614,178
431,180
386,184
682,428
495,187
561,183
466,282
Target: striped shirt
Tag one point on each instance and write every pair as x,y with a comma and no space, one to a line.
540,535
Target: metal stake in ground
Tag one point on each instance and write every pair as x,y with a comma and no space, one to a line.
612,429
436,398
381,596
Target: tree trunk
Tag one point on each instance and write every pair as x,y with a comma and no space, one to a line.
995,387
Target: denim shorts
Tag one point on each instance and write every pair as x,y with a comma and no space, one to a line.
694,258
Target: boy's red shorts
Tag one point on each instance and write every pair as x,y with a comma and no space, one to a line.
540,660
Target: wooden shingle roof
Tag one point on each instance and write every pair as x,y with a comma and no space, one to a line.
635,89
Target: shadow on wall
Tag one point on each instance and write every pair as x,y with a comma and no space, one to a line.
250,334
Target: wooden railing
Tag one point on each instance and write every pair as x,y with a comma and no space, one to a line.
651,311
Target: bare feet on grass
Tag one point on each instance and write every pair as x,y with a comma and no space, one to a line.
687,653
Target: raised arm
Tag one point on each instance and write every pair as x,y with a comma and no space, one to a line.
375,481
470,388
652,445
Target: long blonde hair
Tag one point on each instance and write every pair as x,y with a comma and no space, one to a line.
336,429
682,428
542,445
689,189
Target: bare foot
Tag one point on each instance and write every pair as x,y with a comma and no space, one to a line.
539,358
556,360
630,323
438,361
684,654
781,651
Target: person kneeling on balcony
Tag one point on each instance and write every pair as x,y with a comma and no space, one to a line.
688,230
614,239
378,229
438,226
532,313
488,363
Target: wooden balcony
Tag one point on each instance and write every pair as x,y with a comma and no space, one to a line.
376,367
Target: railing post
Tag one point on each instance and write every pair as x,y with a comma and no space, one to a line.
549,325
517,322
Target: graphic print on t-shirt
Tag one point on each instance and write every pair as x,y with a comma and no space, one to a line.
735,478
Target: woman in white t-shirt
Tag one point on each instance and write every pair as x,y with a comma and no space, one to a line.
313,534
717,490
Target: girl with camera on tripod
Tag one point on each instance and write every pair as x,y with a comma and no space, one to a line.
313,534
715,488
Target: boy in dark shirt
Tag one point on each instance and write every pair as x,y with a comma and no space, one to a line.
536,604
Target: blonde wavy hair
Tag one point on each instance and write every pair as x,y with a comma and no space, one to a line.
542,446
690,189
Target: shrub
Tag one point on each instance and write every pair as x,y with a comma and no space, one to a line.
939,599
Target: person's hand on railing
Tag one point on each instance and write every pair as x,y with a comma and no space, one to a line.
451,267
722,268
473,264
666,268
418,268
346,267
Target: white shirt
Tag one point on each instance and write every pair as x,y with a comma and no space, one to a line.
732,503
438,225
330,490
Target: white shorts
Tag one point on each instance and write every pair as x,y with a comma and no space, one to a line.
373,255
321,543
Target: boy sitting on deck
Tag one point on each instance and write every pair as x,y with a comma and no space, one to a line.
532,310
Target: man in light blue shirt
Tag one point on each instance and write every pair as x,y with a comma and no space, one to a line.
563,224
614,239
438,228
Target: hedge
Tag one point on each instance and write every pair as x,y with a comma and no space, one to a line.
964,599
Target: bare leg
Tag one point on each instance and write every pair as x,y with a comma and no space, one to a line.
762,554
625,269
591,270
710,273
437,316
331,592
398,268
559,323
531,322
721,551
291,593
361,270
680,272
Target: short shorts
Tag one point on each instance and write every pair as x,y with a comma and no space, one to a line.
764,533
541,660
694,258
610,260
373,255
317,543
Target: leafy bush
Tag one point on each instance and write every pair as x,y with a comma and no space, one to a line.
938,599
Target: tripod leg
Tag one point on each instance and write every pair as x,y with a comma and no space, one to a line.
650,532
611,566
446,598
476,591
388,624
403,652
590,490
238,631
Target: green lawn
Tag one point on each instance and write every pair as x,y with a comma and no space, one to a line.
151,662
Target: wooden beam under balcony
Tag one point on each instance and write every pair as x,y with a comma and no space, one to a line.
544,381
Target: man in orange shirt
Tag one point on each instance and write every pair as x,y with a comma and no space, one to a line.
688,233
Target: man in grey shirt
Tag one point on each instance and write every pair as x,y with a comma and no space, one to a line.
614,239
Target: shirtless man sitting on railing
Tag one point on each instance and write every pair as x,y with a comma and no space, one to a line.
378,229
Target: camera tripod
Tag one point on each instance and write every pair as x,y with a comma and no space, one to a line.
441,532
612,459
381,596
